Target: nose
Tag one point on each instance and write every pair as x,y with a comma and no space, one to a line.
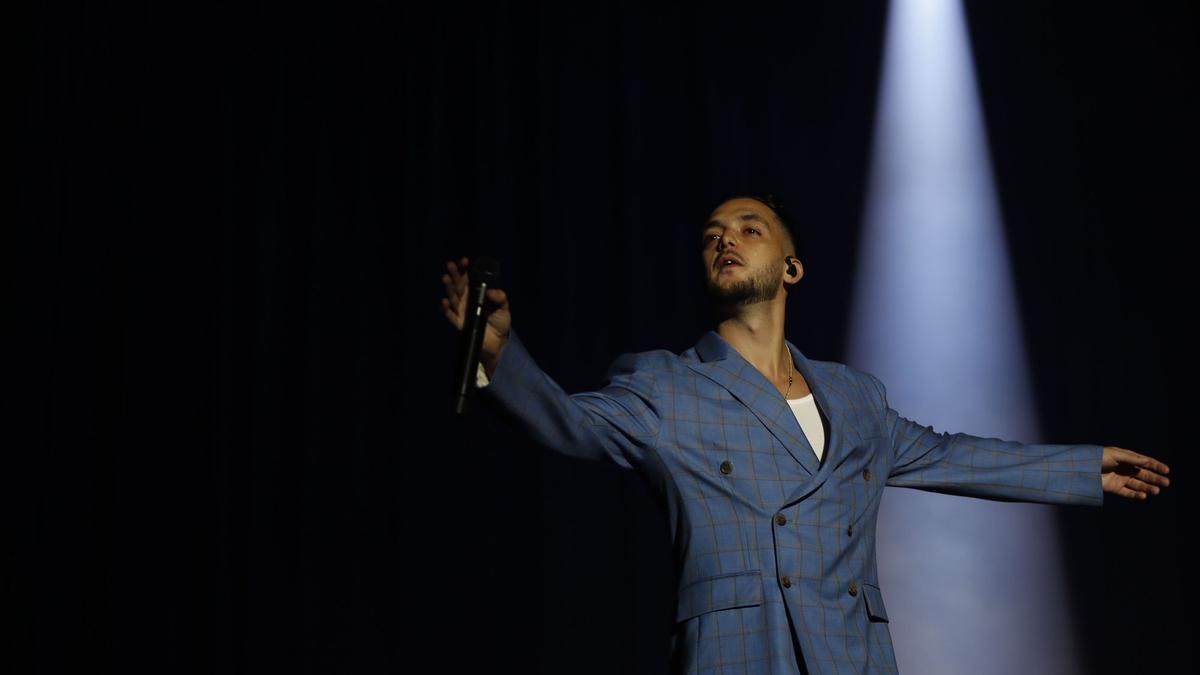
724,240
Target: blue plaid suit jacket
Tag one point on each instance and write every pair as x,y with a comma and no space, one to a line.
776,549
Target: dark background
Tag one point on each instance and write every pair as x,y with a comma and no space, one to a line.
226,437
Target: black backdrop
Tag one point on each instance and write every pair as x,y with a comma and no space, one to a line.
226,376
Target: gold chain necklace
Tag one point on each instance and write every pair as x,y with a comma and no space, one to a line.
789,389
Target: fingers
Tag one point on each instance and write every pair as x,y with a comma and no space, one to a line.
1131,494
1144,461
1133,488
458,272
451,314
1151,464
455,284
456,280
1141,487
1152,477
452,294
497,296
1149,469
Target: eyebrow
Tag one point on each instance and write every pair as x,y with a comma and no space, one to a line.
745,217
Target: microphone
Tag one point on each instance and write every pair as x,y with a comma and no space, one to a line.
482,275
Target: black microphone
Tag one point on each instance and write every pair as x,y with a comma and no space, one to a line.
482,275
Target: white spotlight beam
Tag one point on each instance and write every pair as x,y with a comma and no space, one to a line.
971,586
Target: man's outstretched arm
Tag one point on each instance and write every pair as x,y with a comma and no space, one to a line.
619,422
993,468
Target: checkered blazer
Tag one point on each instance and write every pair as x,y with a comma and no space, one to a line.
776,548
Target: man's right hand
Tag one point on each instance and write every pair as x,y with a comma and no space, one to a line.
499,319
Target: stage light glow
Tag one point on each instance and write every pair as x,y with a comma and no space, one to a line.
971,586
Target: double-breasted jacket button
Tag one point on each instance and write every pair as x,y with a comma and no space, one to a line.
786,581
866,474
780,519
727,467
853,588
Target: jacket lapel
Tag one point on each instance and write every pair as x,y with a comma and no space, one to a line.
722,363
830,404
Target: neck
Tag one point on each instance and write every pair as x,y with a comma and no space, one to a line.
756,332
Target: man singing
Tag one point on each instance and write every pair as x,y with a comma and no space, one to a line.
772,465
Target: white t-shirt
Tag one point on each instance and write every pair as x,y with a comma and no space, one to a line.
805,410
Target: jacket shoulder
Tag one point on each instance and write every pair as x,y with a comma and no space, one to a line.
864,381
652,361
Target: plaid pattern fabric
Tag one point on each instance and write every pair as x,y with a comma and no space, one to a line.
776,549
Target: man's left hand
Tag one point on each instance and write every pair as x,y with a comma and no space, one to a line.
1129,474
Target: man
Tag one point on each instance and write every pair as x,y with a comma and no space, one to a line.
771,464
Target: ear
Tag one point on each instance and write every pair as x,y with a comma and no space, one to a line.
793,265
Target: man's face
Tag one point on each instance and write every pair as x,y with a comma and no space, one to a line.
743,253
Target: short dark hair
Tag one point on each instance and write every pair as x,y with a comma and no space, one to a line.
790,231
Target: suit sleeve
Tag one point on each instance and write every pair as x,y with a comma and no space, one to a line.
619,422
989,468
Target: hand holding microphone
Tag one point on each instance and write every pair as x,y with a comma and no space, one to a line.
480,312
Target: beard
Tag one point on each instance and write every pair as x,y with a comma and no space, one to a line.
761,286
